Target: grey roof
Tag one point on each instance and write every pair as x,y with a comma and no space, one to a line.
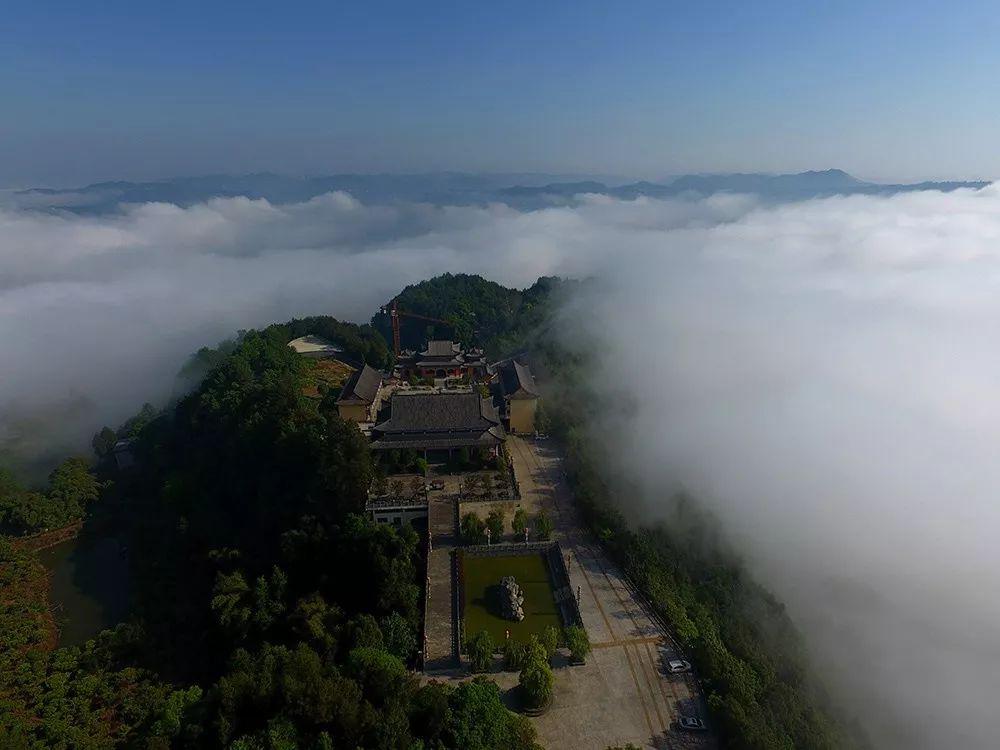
454,362
439,420
361,387
433,412
516,380
441,349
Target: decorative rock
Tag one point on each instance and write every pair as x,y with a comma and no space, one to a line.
511,599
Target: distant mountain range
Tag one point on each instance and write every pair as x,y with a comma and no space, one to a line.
801,186
524,191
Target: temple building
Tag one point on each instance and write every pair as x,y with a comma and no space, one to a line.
516,395
361,396
314,347
442,359
439,424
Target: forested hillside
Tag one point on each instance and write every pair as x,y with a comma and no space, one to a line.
479,312
268,613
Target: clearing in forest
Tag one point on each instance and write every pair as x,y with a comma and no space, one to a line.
330,372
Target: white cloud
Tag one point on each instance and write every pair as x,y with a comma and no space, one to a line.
824,373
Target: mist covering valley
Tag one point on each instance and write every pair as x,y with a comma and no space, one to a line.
822,374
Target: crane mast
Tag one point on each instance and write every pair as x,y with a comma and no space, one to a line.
394,317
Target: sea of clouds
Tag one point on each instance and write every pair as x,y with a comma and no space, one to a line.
824,374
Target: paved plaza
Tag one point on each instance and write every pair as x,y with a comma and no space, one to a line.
622,694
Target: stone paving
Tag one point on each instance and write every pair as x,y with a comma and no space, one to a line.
621,694
441,647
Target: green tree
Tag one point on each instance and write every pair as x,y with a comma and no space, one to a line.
520,522
431,713
380,673
578,642
104,441
473,529
536,682
363,632
495,523
399,635
480,648
515,654
543,525
230,603
480,721
550,640
536,651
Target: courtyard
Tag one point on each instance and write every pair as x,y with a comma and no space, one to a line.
481,578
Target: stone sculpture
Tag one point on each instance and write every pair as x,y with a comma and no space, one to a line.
511,599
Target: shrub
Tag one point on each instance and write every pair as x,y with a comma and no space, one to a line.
543,525
473,529
480,649
515,655
536,682
379,672
550,640
520,522
494,522
578,642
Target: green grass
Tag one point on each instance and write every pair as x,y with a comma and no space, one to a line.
531,573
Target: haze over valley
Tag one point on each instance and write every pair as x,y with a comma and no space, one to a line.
444,376
818,371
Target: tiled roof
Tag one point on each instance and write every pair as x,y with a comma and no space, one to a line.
441,349
516,380
361,387
437,412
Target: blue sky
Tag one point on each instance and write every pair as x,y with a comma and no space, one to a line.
891,90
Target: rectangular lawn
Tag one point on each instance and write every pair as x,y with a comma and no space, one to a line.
531,573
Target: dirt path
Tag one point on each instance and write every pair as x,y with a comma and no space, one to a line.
47,539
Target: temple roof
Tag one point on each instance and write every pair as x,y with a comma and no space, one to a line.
439,412
361,387
516,380
442,349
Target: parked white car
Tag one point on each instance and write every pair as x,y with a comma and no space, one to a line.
677,666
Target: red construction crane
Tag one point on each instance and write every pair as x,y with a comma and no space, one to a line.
395,314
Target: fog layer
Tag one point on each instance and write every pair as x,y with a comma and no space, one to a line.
823,374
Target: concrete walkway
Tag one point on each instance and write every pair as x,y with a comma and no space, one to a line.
621,695
439,628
